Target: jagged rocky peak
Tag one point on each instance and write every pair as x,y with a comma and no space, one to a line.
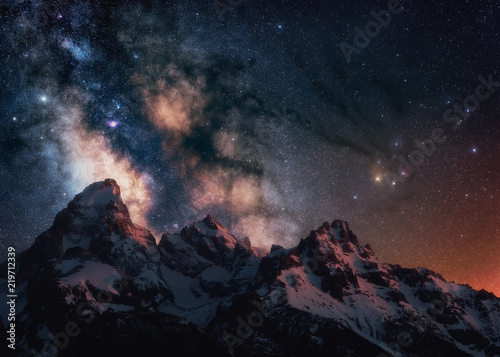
100,196
337,232
246,243
343,233
217,229
95,220
197,233
204,241
219,235
276,247
211,223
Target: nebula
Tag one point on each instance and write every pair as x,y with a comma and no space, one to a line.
83,156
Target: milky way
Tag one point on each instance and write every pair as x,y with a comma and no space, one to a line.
272,116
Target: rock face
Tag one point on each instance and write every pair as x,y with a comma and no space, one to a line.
96,284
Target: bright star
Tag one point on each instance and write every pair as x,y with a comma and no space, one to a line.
43,98
112,124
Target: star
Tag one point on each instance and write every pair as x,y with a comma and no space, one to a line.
113,123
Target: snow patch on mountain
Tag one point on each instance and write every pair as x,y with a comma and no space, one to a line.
101,276
99,194
75,240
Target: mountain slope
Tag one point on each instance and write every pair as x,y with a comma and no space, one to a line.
96,284
349,302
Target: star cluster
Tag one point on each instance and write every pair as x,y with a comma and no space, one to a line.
253,112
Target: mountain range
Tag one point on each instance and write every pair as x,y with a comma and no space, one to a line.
96,284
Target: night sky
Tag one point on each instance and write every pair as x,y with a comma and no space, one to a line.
273,116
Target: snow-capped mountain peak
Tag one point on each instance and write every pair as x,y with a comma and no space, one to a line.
99,193
203,292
